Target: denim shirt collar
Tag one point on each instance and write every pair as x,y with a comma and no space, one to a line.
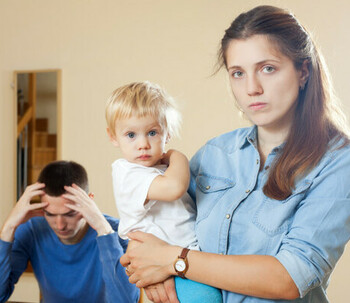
252,138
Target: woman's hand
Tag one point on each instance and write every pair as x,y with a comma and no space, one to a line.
23,211
162,292
83,203
151,261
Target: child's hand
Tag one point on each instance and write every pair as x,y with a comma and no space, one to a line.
162,292
151,262
166,157
174,182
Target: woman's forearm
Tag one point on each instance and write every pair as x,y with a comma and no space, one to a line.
152,261
253,275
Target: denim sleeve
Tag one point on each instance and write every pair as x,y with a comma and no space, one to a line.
118,287
194,170
321,226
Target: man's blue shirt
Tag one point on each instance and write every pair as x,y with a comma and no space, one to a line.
306,232
88,271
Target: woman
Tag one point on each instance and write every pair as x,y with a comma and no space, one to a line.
273,200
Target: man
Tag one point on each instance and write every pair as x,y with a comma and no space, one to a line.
72,246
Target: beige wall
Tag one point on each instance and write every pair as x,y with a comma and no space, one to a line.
100,45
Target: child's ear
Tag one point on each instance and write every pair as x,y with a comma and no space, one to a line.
112,138
167,139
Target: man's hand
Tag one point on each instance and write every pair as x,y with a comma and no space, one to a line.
82,203
23,211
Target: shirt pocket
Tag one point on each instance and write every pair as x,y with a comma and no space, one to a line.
275,216
210,189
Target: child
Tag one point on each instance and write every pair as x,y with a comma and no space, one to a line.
150,186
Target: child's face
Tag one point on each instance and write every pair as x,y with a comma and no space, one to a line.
140,139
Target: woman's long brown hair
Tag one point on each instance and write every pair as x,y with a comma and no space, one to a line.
318,119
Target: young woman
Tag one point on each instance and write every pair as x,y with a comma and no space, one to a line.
273,200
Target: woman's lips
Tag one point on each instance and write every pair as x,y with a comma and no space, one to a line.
257,105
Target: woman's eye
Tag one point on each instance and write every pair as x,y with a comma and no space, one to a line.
237,74
152,133
268,69
131,135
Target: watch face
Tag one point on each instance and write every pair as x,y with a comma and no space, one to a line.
180,265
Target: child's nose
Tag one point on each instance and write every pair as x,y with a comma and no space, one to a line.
143,142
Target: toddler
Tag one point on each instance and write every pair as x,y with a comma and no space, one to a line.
150,185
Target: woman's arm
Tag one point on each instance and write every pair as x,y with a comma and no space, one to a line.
174,183
253,275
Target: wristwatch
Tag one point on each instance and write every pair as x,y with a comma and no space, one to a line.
181,263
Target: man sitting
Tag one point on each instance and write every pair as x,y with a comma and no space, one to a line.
72,246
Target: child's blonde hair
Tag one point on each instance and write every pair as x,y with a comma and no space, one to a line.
143,99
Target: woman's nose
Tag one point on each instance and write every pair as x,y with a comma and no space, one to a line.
254,86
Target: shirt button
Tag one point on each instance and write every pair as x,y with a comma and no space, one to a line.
228,216
247,191
207,187
257,161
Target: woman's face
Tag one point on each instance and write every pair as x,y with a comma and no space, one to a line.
264,82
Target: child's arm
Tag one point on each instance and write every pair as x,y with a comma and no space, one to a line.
174,183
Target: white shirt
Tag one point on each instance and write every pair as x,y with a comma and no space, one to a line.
173,222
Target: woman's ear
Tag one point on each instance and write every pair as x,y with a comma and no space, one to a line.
112,138
304,74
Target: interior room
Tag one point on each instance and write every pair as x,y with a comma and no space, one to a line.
88,48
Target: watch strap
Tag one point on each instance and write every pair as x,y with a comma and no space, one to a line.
183,256
184,253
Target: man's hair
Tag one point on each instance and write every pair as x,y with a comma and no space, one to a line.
58,174
142,99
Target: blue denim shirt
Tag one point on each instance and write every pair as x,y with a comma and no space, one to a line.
306,232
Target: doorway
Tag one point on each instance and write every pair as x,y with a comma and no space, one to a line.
38,123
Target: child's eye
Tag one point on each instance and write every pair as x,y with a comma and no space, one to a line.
237,74
152,133
131,135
